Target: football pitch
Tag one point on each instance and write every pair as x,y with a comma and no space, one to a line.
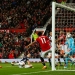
8,69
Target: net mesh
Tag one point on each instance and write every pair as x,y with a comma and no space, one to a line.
64,23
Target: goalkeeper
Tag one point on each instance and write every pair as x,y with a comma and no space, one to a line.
71,49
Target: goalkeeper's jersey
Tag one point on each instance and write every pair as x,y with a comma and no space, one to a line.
70,42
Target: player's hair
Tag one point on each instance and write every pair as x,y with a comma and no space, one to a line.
39,33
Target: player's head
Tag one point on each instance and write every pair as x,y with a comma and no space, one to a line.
68,35
61,32
39,33
26,53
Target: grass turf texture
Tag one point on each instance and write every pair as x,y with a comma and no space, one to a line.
8,69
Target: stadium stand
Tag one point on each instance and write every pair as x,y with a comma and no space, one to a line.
17,20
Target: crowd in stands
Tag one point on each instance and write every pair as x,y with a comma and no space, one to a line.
12,44
64,18
24,13
21,14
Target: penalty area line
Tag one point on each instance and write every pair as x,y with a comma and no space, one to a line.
32,72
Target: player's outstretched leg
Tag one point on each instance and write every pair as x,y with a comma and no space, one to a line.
66,62
42,60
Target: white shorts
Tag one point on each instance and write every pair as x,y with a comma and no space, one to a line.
50,54
42,54
64,47
56,55
21,63
27,66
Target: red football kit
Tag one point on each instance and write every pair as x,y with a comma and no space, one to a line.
44,43
62,38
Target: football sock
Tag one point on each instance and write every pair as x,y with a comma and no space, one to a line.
49,61
42,60
59,61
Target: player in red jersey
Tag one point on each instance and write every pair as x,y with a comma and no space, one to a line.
61,41
45,47
43,42
61,44
61,37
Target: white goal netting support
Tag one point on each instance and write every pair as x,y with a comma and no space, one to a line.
63,21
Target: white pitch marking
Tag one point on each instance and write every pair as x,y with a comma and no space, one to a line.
8,66
65,70
40,72
31,72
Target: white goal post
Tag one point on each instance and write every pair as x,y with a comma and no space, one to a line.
54,4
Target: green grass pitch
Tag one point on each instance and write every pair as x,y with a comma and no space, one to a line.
8,69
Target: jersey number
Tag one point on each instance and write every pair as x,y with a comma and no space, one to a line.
43,40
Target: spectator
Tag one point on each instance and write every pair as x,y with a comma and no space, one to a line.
11,55
0,55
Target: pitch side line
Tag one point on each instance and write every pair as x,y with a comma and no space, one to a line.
31,72
40,72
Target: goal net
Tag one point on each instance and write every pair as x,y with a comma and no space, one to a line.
63,28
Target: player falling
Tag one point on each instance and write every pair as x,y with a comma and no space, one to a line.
24,63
